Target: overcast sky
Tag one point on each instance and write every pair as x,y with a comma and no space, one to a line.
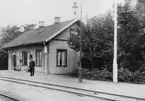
20,12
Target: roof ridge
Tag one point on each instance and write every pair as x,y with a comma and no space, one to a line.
61,22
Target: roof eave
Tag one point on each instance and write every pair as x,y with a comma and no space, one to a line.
22,45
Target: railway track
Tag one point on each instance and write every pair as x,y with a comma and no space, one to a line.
79,92
7,97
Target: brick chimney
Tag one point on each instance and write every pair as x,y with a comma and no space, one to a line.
41,24
56,20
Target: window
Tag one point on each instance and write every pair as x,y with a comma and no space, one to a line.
39,58
20,58
61,58
24,58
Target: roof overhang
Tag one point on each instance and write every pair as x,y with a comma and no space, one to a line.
21,45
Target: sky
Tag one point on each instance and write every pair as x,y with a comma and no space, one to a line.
21,12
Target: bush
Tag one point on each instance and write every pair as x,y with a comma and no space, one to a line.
138,77
124,75
98,74
104,75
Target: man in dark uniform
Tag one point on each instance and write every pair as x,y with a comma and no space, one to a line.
31,66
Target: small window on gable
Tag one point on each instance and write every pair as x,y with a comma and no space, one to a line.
61,58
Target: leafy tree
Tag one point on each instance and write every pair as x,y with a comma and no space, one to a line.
140,12
130,39
28,27
97,40
9,33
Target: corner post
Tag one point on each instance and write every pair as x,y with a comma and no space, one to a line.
45,58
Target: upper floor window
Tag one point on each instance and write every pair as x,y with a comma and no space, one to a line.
61,58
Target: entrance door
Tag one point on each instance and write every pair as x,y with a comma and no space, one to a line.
14,61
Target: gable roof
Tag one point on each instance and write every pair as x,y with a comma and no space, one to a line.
40,35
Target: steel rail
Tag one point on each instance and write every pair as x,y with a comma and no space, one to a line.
9,97
50,88
36,84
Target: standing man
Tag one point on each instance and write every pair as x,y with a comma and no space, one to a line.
31,66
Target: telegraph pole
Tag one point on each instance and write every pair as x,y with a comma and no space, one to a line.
80,67
115,65
75,7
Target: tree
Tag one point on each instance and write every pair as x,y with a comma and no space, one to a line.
9,33
97,40
140,11
131,47
28,27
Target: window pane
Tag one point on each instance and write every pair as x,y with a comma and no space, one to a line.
38,57
24,58
41,58
61,58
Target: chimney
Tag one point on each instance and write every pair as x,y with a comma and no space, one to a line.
41,24
56,20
